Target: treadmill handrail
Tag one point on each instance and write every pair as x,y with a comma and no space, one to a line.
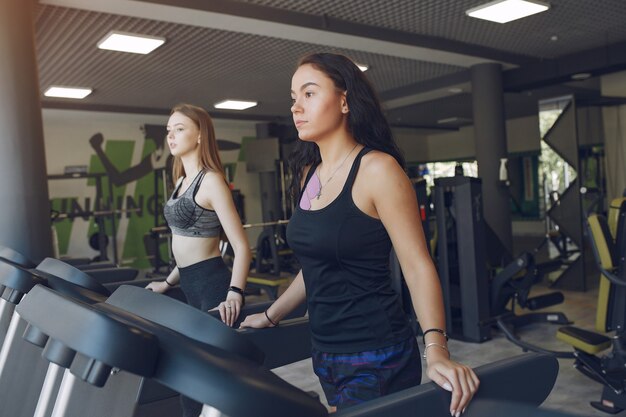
93,333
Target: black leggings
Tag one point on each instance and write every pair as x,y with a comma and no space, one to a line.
205,285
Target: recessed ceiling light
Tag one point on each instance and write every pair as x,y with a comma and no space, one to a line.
454,121
581,76
362,67
235,104
130,42
554,38
448,120
503,11
67,92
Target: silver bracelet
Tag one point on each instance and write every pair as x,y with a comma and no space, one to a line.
435,344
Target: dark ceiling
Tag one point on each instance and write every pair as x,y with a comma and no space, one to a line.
417,50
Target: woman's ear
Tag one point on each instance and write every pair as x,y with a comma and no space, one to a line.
344,103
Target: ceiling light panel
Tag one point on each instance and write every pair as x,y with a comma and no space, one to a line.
504,11
67,92
235,104
130,42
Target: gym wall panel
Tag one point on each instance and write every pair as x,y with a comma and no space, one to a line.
412,143
590,126
452,146
614,122
615,149
66,137
522,137
613,85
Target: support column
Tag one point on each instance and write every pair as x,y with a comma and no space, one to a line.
270,195
490,140
25,213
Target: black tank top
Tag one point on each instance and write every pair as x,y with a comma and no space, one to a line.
344,254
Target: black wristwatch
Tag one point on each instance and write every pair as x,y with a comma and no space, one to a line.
236,289
240,292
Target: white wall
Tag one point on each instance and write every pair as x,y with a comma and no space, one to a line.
613,85
452,145
522,136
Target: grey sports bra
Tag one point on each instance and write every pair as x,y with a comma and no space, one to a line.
186,217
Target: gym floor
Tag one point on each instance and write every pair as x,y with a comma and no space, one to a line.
572,391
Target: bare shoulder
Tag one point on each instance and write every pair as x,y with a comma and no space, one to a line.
213,176
379,166
213,181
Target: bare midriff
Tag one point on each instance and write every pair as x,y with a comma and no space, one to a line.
190,250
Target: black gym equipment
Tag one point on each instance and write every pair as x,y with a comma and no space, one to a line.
100,204
462,256
21,370
8,273
128,395
239,387
21,373
474,298
274,262
511,286
103,272
609,250
421,192
293,334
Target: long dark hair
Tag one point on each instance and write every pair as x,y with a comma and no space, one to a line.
366,121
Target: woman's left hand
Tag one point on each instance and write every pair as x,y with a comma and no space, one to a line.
230,308
455,377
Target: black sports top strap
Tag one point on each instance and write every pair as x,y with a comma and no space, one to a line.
355,167
198,181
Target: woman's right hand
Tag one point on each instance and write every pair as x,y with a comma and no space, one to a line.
256,321
158,286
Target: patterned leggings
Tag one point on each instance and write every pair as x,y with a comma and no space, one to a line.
352,378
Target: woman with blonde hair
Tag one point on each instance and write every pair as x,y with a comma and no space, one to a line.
199,210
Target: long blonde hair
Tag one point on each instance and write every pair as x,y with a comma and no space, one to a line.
209,154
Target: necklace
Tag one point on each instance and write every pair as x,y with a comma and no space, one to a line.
319,192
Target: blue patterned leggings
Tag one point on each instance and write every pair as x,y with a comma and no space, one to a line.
352,378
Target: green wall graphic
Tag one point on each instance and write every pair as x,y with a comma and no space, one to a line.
133,251
120,153
137,245
139,225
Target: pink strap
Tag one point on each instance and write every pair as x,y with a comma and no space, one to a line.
310,192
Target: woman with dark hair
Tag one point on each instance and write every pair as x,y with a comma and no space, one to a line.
354,202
